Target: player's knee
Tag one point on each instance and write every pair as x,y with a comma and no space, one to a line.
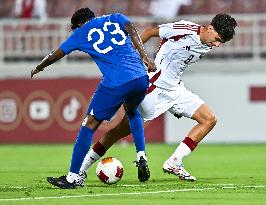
211,120
91,122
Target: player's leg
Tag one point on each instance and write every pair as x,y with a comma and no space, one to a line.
136,124
153,105
99,149
102,107
206,121
120,131
137,90
81,147
197,110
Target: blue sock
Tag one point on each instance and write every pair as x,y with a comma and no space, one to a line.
81,147
137,129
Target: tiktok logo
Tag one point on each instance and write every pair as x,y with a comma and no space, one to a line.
71,107
70,111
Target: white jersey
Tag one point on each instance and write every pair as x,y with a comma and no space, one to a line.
180,47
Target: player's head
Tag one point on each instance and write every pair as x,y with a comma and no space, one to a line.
220,30
224,25
80,17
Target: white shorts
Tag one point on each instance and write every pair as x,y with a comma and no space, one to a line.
180,101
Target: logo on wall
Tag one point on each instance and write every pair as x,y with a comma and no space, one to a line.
49,110
10,111
71,109
39,110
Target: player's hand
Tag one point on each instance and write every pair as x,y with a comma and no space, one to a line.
150,64
34,71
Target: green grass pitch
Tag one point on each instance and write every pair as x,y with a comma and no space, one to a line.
226,174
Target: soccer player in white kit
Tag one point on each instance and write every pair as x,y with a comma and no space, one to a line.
183,43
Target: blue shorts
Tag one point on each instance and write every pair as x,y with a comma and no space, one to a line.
106,101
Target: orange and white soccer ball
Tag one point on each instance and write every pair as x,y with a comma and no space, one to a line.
109,170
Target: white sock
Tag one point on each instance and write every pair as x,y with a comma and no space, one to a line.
71,177
181,151
90,158
141,154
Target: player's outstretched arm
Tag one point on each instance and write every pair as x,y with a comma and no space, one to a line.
149,33
48,60
135,38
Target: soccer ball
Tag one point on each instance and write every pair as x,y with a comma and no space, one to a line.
109,170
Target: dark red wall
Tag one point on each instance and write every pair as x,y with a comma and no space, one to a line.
32,111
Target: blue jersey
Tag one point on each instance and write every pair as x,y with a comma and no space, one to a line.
107,42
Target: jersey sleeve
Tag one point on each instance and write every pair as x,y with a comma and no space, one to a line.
70,44
178,28
122,20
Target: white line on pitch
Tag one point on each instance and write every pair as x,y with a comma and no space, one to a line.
243,186
228,187
143,185
131,193
255,186
99,195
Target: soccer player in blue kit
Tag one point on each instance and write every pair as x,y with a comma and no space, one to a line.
109,40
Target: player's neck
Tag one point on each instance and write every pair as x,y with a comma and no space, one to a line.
202,34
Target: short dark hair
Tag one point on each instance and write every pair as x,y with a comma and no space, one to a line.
81,16
224,25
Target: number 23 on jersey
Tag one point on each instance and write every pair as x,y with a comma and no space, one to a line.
101,39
